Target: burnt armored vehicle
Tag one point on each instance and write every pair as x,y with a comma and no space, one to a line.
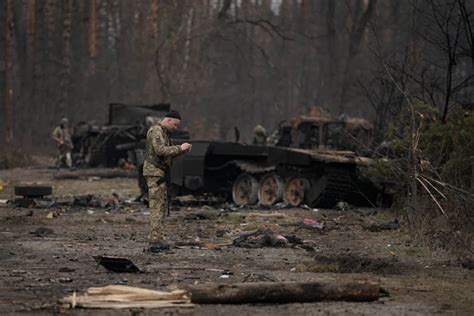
120,138
309,162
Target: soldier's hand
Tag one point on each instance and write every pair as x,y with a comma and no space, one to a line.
186,147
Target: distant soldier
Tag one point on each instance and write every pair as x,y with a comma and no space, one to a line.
159,154
259,135
62,136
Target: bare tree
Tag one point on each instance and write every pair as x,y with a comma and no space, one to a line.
359,27
8,74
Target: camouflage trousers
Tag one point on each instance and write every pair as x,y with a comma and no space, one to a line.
64,156
158,202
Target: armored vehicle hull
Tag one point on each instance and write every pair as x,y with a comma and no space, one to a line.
250,174
108,144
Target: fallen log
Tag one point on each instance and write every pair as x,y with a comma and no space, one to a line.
95,173
118,296
284,292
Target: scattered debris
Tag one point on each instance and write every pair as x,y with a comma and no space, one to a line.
61,280
24,202
206,214
42,232
89,200
268,215
342,206
265,238
112,202
117,264
385,226
221,232
205,200
43,203
95,174
121,296
282,205
212,246
311,223
234,217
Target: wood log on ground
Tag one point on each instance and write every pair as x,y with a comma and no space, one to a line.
91,173
286,292
118,296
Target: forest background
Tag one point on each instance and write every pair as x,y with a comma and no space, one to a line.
406,65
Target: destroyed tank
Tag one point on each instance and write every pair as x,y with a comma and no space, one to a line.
120,139
310,160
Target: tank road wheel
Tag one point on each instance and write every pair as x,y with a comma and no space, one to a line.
245,190
271,189
296,189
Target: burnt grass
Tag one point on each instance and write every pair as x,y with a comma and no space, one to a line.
47,253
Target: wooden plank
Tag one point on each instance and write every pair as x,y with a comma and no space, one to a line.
123,289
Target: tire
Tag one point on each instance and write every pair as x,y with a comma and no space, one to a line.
33,191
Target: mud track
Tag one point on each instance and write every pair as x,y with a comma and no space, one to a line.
47,253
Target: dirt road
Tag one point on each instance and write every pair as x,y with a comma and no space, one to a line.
47,253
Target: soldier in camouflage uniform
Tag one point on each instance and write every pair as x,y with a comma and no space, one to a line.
62,136
159,154
259,135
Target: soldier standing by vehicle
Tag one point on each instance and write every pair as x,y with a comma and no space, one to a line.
159,155
259,135
62,136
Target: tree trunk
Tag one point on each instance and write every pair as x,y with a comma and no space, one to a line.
8,94
355,41
67,56
331,63
92,38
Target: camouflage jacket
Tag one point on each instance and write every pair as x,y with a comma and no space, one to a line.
62,134
159,152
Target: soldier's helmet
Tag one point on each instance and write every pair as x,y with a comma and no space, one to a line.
64,121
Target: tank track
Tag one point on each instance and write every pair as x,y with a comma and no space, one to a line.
339,187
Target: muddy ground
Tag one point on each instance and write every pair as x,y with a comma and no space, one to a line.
39,268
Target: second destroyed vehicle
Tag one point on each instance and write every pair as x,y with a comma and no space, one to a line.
107,145
312,160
